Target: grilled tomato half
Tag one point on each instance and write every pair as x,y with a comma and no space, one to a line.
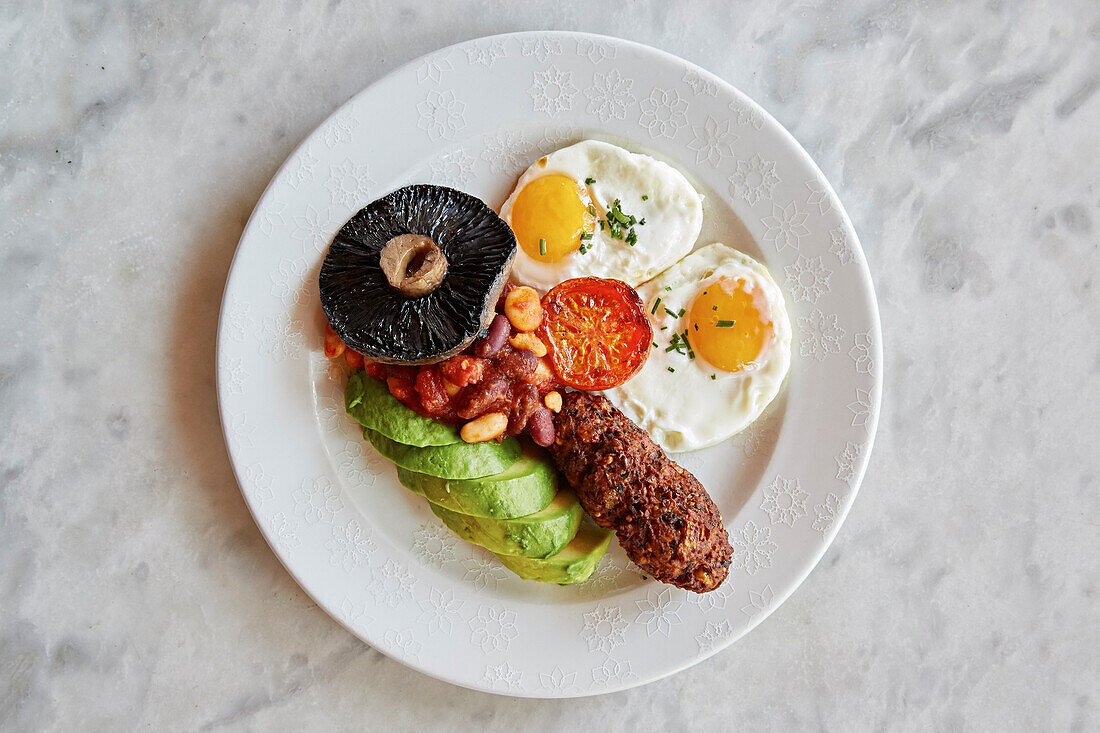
596,332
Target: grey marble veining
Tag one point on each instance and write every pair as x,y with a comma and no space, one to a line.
135,591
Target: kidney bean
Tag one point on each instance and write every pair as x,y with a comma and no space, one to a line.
541,427
515,363
525,399
499,330
484,397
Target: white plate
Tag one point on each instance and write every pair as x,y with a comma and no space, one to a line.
371,553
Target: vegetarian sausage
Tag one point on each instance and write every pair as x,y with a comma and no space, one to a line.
664,518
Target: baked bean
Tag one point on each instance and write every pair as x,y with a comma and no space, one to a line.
495,339
553,401
541,427
353,358
523,308
530,342
450,387
488,426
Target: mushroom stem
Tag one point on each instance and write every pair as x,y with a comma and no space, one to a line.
413,264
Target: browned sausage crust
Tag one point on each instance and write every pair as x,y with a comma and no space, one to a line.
664,518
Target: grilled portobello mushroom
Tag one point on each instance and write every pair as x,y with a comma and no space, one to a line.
414,276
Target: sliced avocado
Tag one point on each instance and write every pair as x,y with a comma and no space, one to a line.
525,488
541,534
460,460
369,401
574,564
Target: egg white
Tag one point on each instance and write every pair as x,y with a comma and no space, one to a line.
673,212
685,409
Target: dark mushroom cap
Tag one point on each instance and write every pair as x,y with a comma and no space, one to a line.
376,320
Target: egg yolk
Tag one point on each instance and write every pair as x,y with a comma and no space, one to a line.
729,325
549,216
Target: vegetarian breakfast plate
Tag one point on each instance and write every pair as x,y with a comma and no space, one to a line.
377,557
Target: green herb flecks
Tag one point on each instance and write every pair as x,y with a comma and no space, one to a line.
620,224
690,351
680,344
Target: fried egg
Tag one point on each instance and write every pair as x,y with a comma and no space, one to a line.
596,209
722,349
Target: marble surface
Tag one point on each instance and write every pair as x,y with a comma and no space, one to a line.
135,590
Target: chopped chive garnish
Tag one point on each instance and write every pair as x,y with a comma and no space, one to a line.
713,378
586,235
690,351
601,225
680,314
645,197
726,324
655,304
696,326
592,210
642,222
664,328
589,181
671,313
655,344
620,224
713,307
672,370
668,288
542,246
